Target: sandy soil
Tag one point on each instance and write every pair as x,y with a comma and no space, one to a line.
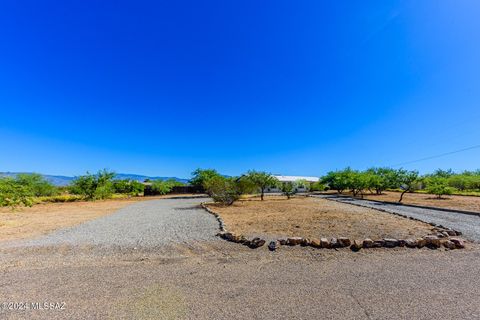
40,219
468,203
315,218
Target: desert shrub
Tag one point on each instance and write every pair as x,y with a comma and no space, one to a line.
438,186
13,194
59,198
223,190
127,186
288,189
318,186
161,187
94,186
36,184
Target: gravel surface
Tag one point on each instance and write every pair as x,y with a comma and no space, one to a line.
468,224
187,273
145,224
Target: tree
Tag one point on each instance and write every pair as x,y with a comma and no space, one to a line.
407,180
94,186
223,190
381,179
162,187
36,184
200,177
128,186
288,189
13,194
438,186
261,180
337,180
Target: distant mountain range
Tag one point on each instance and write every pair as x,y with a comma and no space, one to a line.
66,180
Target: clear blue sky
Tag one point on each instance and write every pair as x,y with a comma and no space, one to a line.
291,87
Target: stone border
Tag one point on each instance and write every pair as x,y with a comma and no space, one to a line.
440,236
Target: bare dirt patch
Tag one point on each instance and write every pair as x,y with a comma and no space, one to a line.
27,222
467,203
315,218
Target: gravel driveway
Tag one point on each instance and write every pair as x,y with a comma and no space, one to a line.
468,224
145,224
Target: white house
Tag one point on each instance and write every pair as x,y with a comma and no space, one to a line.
300,188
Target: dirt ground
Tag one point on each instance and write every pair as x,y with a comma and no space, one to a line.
40,219
468,203
315,218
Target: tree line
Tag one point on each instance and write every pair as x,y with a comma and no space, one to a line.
377,180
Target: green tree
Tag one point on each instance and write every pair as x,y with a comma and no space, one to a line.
162,187
200,177
407,181
128,186
438,186
261,180
94,186
288,189
381,179
223,190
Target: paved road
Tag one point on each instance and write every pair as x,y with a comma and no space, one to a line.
468,224
146,224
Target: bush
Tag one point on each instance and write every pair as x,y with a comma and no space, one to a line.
94,186
223,190
13,194
200,177
127,186
318,186
36,184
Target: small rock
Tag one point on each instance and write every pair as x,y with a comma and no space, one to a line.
315,243
451,233
305,242
449,244
421,242
390,243
378,243
401,243
356,245
324,243
459,233
368,243
445,234
432,242
410,243
333,243
282,241
459,243
256,243
273,245
293,241
344,242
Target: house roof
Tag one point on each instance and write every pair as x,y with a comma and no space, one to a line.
295,178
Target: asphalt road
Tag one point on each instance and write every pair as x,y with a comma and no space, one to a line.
469,225
183,278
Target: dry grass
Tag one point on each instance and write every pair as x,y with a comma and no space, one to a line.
468,203
26,222
315,218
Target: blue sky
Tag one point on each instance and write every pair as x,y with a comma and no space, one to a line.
291,87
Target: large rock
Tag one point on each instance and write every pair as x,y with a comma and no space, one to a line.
390,243
273,245
421,242
401,242
459,243
432,242
282,241
356,245
293,241
315,243
451,232
344,242
378,243
368,243
324,243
